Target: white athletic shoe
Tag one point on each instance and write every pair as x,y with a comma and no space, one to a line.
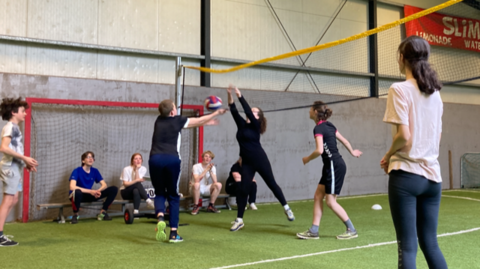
290,215
150,204
253,206
237,225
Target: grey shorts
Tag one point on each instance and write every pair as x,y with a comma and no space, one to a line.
11,177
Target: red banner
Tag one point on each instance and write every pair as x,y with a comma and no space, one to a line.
444,30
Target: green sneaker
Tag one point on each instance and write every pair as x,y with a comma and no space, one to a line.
348,235
103,216
307,235
161,235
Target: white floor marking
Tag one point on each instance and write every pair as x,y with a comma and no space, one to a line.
336,250
461,197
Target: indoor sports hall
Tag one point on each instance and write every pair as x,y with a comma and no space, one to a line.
94,72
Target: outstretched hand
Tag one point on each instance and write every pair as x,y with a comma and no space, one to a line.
357,153
237,92
230,88
221,111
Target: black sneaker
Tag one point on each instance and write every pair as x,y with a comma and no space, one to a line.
175,238
74,219
5,242
104,216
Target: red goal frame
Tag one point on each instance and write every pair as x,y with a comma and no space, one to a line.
28,129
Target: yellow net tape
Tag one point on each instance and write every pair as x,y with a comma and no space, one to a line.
333,43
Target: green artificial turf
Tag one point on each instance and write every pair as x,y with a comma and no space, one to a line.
267,235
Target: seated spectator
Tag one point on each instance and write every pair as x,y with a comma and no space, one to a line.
233,184
205,183
132,178
81,183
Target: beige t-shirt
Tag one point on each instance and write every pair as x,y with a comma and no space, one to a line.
422,113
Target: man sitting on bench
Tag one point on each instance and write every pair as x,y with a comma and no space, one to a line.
81,183
205,183
233,184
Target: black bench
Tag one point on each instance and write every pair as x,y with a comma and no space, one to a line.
60,206
61,218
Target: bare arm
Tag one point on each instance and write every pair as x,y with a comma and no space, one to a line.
355,152
214,178
73,187
104,185
400,140
317,152
5,149
200,121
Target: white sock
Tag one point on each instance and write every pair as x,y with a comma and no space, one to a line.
286,207
239,220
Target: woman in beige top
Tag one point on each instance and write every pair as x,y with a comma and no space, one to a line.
414,108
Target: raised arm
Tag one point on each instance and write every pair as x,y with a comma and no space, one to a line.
355,152
246,108
233,108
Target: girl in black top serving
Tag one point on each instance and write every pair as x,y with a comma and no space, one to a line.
333,172
254,158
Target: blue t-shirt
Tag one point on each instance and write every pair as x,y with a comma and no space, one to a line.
85,180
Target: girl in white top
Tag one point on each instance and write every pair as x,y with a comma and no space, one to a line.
414,108
132,178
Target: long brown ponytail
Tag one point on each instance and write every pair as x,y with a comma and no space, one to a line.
415,51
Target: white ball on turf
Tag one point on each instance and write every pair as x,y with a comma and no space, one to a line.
377,207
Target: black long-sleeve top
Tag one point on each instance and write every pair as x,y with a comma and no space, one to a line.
248,134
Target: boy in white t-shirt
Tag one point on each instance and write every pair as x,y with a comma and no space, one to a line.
205,183
13,160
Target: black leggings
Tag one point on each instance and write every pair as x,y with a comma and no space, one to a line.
250,166
414,204
136,192
80,197
234,187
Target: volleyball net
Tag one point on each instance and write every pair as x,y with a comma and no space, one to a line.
342,70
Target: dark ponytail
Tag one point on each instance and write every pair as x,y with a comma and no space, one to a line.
322,111
415,51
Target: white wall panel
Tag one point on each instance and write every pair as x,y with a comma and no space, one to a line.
323,8
128,23
245,31
179,26
389,40
65,20
460,95
129,68
53,61
12,58
355,10
13,17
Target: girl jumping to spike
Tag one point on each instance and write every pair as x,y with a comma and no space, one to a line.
254,158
